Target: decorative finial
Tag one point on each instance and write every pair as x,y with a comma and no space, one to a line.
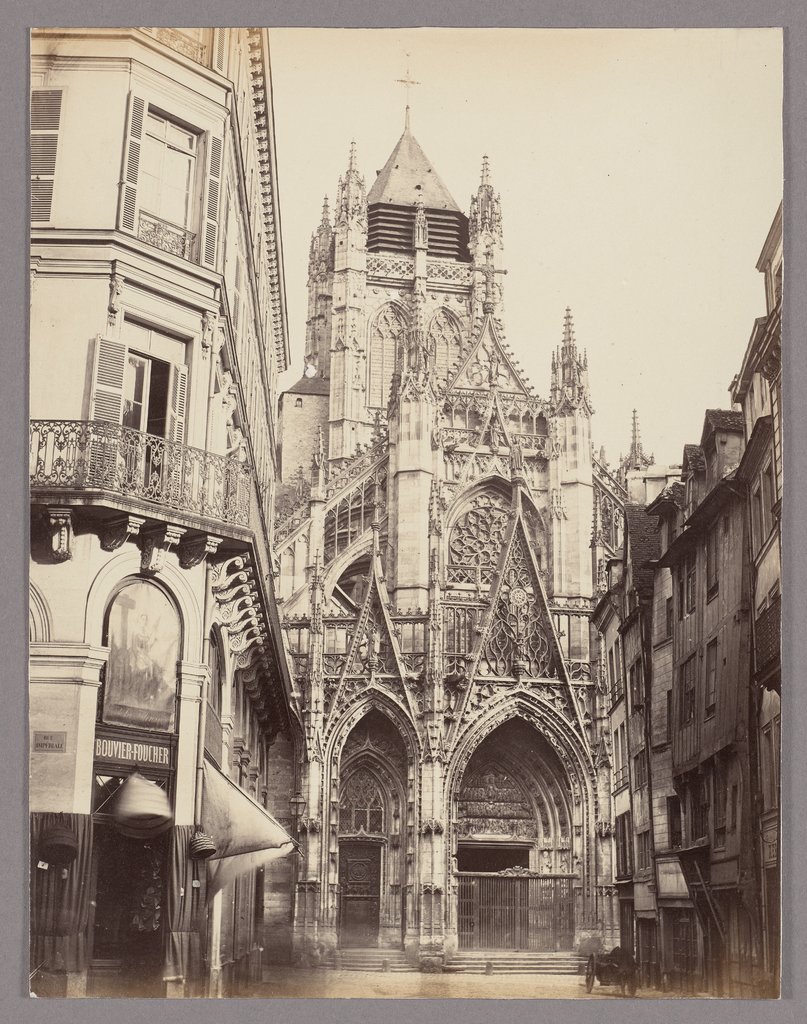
485,170
352,161
568,329
326,212
407,83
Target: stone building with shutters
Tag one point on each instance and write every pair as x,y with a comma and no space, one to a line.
444,532
157,330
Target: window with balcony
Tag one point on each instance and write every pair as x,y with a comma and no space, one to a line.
171,183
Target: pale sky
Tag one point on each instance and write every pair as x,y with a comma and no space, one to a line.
639,173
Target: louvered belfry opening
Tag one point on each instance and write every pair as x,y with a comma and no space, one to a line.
390,228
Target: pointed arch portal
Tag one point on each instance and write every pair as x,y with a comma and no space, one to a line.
514,845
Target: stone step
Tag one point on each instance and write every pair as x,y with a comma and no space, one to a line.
371,959
502,962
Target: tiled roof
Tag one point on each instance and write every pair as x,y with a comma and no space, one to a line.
310,386
694,458
643,548
724,419
408,176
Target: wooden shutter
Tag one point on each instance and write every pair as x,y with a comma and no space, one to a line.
211,217
109,370
178,399
46,112
131,163
219,49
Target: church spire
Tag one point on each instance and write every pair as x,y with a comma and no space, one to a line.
636,458
485,220
569,370
351,201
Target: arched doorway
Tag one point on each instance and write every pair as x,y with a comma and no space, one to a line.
514,856
372,830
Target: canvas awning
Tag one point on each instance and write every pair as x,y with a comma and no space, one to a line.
246,835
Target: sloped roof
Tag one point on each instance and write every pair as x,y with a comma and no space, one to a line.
674,493
316,385
408,177
723,419
643,548
694,458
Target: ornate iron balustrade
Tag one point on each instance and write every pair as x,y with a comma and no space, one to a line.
92,455
162,234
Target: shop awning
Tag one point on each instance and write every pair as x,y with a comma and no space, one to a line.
246,835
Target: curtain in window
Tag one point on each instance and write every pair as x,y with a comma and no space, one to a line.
185,917
60,896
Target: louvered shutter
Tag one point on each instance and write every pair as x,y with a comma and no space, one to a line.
211,217
219,49
109,370
131,163
178,398
105,459
175,464
46,112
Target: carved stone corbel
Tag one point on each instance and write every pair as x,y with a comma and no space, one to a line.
60,524
210,321
194,550
116,283
116,531
155,545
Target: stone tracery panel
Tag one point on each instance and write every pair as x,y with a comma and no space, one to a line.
476,539
386,331
445,341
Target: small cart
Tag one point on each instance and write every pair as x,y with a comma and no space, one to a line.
615,968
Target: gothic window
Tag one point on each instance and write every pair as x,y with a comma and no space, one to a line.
385,333
476,540
444,341
362,805
460,633
518,641
349,519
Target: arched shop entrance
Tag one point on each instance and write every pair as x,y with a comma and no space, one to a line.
135,732
515,861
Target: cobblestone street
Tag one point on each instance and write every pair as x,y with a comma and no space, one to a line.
291,983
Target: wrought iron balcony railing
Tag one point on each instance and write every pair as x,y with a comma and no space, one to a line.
82,455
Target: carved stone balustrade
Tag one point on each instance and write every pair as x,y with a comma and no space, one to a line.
166,236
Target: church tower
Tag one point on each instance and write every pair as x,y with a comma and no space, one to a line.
438,570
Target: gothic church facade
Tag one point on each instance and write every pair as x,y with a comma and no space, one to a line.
444,538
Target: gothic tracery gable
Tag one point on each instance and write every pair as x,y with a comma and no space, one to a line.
487,365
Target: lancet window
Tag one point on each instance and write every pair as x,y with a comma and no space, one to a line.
444,341
385,334
362,805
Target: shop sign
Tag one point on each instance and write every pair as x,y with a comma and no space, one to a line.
143,753
50,742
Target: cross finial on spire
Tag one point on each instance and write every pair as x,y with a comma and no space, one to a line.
407,82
